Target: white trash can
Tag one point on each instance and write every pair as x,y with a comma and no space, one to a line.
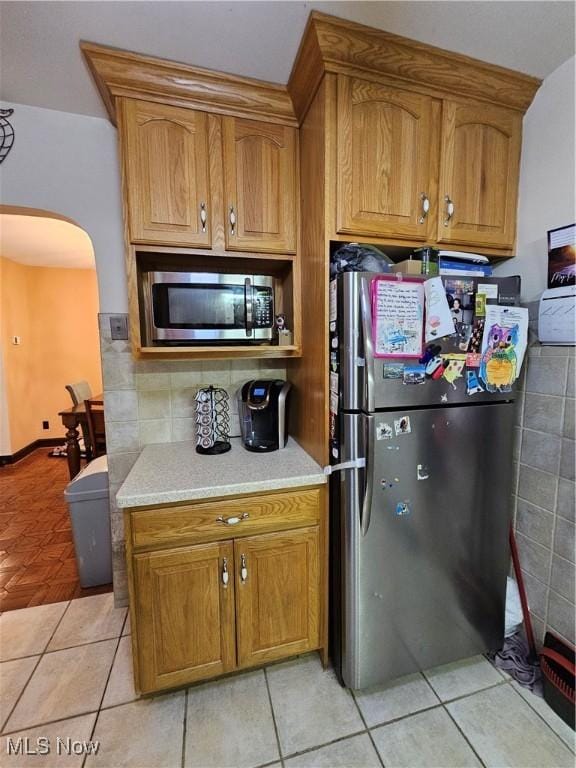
89,505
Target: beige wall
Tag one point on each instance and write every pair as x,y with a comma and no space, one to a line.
55,312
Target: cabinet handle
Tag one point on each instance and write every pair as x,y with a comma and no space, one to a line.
449,209
425,207
232,221
243,569
232,520
203,216
225,574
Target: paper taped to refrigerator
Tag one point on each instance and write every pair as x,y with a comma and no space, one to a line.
439,320
504,343
397,317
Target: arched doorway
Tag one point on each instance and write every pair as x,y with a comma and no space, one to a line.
48,339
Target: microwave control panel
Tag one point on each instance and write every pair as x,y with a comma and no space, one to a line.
263,308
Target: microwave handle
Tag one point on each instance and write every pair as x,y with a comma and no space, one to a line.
248,305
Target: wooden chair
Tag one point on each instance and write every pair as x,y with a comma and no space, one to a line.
96,428
80,392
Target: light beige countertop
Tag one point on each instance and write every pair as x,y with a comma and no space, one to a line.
167,473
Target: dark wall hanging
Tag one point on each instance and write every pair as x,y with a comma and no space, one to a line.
6,133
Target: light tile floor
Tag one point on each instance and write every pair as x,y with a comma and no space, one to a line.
65,672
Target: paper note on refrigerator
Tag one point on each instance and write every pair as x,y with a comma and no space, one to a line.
504,343
439,320
397,317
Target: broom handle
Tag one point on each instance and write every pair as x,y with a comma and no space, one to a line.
523,598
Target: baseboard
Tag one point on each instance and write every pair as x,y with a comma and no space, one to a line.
44,442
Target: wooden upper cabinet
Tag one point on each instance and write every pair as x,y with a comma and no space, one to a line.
185,615
479,170
383,160
167,179
277,595
259,185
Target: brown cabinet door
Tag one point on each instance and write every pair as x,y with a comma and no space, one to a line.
166,166
184,615
383,160
260,185
479,168
277,595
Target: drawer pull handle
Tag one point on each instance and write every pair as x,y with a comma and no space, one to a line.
232,520
243,569
225,574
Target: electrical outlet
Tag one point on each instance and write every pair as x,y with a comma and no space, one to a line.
45,425
119,327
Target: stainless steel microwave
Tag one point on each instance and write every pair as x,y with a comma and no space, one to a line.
208,308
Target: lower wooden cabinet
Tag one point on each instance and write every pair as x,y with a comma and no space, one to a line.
277,595
185,615
202,610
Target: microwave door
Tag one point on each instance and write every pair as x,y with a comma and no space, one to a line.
208,308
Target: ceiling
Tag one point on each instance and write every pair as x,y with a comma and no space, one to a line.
42,66
41,241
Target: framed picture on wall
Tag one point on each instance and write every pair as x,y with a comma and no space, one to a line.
562,256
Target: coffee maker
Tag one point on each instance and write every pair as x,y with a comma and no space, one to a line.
262,408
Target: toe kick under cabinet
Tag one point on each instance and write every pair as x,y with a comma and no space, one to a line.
225,584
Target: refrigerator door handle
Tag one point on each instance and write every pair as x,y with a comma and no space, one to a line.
369,485
366,312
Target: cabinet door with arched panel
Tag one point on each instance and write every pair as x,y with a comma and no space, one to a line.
384,154
479,167
166,173
260,185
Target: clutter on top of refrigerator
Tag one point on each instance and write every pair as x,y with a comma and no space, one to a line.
422,261
463,264
354,257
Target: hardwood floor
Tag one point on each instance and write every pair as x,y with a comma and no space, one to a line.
37,562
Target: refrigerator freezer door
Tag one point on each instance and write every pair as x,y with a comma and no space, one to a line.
369,383
424,578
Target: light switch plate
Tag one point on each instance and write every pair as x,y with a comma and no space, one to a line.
119,327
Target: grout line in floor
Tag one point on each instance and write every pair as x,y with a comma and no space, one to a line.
403,717
276,731
370,736
326,744
40,657
473,693
51,722
108,676
571,748
82,645
183,761
464,736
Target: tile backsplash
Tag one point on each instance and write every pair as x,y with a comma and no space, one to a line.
544,500
153,402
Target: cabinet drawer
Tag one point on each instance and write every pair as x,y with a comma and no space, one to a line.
246,516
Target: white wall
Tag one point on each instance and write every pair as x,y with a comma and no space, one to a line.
547,178
68,164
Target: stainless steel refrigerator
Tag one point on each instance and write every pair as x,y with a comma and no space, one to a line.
421,506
